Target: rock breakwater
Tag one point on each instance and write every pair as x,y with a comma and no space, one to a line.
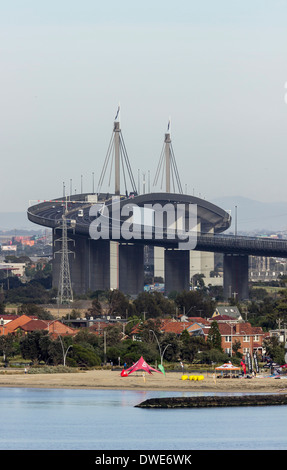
215,401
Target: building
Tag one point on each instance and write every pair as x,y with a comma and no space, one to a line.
250,338
230,311
24,324
17,269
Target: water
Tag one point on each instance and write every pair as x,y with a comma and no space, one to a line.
49,419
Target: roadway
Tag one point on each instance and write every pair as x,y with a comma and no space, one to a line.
49,214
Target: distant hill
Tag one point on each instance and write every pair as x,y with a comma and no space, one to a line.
17,221
255,216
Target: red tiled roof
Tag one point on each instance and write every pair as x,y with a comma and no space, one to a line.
14,324
221,318
34,325
176,327
202,321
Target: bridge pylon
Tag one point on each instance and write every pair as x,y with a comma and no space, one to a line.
167,167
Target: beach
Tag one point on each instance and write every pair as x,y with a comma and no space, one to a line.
172,381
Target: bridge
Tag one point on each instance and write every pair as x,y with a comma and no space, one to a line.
117,261
92,264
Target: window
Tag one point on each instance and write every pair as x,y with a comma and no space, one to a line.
228,339
246,339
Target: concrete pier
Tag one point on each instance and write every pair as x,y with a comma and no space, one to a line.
176,270
235,277
131,268
89,262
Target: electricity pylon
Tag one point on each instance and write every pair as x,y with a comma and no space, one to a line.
65,291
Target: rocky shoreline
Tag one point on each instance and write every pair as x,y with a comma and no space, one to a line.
215,401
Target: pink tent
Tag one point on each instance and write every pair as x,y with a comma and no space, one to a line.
141,365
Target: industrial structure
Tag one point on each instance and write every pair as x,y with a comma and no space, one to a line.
110,230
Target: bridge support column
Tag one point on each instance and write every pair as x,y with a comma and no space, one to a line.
98,264
235,276
176,267
131,268
89,265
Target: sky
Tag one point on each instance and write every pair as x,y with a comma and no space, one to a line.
217,69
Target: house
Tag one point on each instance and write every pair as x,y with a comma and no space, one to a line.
26,324
13,325
229,311
193,328
250,337
6,318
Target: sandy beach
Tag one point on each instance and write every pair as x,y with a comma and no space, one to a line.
112,380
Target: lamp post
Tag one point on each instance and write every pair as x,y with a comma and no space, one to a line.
160,353
2,324
105,347
64,353
125,324
231,328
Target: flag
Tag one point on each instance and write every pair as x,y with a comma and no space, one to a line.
256,362
117,113
249,362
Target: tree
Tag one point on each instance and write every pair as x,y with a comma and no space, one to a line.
96,308
118,303
235,348
35,310
214,336
2,309
195,303
281,305
274,349
173,350
8,346
145,304
35,346
83,356
114,334
197,280
190,346
145,329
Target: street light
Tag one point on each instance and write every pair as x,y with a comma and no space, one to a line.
64,353
126,323
2,324
160,353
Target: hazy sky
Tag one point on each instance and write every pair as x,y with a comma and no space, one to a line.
217,68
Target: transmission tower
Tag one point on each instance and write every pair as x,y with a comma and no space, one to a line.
65,292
